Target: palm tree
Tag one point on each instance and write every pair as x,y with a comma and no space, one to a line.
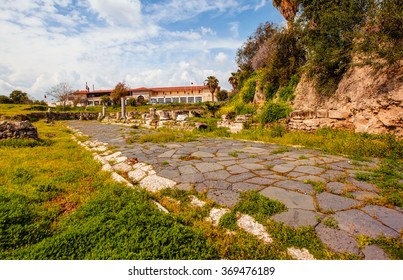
212,83
288,8
233,80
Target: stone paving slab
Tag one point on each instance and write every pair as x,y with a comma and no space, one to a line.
338,240
332,202
357,222
289,198
298,217
387,216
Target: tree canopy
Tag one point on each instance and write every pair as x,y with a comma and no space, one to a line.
120,90
212,83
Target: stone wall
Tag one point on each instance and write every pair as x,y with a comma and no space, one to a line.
366,100
55,116
17,129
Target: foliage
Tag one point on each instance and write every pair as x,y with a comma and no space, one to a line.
120,90
258,206
222,95
287,93
272,112
212,83
18,143
19,97
5,100
229,221
248,90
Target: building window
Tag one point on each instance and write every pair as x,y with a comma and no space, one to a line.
175,99
191,99
183,99
168,100
153,101
199,99
160,100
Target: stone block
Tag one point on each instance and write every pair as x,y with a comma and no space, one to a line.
339,114
322,113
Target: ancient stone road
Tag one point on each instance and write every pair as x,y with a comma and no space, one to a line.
225,168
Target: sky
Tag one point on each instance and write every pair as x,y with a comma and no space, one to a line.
145,43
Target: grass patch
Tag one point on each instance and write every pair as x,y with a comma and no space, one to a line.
280,151
258,206
25,143
330,222
229,221
189,158
319,187
168,136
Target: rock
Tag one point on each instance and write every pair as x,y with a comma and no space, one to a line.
300,254
337,240
332,202
216,214
156,183
297,218
357,222
248,224
223,197
182,118
373,252
389,217
291,200
18,129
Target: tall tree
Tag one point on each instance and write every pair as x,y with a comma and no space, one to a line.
121,90
60,92
212,83
19,97
288,8
233,80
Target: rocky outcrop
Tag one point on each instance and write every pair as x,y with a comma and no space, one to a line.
18,129
366,100
288,8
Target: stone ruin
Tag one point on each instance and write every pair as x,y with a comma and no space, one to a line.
235,125
17,129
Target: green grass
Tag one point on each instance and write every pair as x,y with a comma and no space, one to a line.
163,136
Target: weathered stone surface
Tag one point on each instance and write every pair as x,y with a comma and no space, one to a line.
300,254
337,240
336,187
261,181
137,175
188,169
202,155
224,197
197,202
297,218
373,252
283,168
252,166
208,167
217,184
155,183
167,154
311,170
240,178
364,185
216,215
17,129
244,187
122,167
291,200
295,185
329,202
387,216
311,178
248,224
361,195
357,222
170,174
217,175
236,169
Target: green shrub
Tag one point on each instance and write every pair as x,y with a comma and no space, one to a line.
229,221
274,111
287,93
248,90
21,143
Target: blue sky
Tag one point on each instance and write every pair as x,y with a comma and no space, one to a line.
143,43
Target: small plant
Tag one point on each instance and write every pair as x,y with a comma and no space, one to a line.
280,151
319,187
330,222
229,221
234,154
303,157
165,163
189,158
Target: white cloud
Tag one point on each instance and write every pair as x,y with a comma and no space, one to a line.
221,58
44,42
261,4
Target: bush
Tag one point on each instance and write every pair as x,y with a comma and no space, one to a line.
248,90
287,93
274,111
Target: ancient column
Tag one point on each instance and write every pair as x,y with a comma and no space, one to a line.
123,102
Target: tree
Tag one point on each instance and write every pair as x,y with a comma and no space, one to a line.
105,99
5,100
60,92
212,83
19,97
222,95
233,80
121,90
288,8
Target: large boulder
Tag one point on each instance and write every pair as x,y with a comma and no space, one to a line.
17,129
